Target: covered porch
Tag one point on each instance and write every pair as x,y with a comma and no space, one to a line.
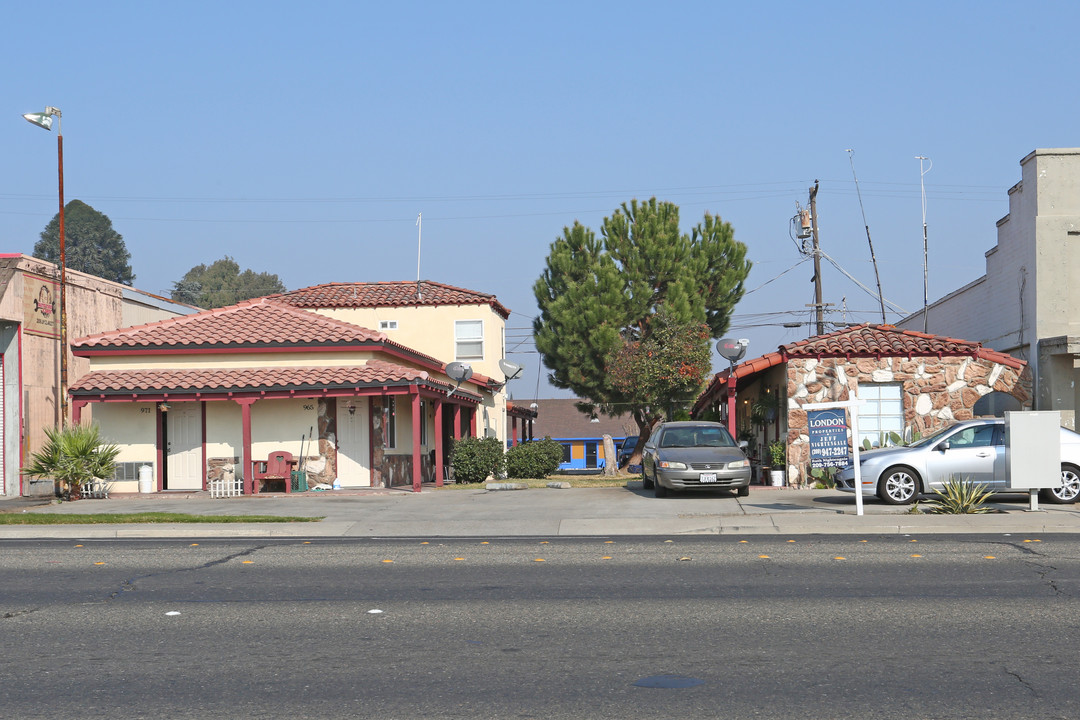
375,425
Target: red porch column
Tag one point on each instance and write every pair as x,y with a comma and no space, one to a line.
438,443
472,422
731,412
513,431
76,411
249,466
417,471
457,421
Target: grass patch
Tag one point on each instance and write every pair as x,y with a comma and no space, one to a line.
139,518
577,481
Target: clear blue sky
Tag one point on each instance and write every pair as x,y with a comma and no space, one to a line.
303,138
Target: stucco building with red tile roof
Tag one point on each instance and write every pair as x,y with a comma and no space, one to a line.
348,378
912,382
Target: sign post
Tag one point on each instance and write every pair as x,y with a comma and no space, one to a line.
828,441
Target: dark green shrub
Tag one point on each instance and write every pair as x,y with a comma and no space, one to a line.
535,459
473,459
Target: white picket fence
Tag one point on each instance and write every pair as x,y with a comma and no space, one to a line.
228,486
96,489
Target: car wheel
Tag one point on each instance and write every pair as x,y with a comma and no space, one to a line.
743,491
899,486
659,489
645,481
1067,492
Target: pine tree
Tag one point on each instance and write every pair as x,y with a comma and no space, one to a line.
91,245
598,302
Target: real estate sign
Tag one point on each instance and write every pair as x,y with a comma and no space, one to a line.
828,438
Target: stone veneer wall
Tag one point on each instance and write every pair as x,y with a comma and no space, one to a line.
935,391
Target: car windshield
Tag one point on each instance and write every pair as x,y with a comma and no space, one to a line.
696,437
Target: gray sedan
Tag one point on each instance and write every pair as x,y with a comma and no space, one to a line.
693,456
972,449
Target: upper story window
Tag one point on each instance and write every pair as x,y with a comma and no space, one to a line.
388,324
469,339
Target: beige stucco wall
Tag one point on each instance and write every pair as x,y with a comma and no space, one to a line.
430,330
1029,293
132,427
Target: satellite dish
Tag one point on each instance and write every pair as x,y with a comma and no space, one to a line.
510,369
459,372
732,350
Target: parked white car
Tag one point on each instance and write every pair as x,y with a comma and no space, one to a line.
972,449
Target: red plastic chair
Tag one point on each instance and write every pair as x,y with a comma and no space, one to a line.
276,467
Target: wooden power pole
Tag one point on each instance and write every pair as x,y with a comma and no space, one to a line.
819,308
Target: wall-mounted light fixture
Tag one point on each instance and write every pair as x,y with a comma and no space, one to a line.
163,407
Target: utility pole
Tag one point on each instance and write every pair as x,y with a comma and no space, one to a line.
818,307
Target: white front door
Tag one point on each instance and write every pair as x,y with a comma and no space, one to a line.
354,443
183,440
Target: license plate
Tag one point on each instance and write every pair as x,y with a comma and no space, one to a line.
707,477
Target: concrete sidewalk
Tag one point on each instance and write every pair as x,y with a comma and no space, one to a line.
538,512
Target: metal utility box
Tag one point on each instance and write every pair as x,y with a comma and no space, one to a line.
1033,449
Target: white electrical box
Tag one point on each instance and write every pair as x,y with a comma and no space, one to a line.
1033,449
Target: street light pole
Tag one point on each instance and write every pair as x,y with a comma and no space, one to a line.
44,120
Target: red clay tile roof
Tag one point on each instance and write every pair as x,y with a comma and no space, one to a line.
869,340
374,373
387,294
254,322
866,341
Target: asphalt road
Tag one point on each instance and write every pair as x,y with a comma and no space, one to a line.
778,627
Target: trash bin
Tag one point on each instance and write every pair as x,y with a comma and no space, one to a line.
299,481
146,479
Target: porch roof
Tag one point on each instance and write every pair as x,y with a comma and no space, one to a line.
151,384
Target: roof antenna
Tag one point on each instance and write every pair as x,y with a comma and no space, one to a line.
922,186
419,231
881,298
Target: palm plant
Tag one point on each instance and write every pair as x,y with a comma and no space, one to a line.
960,497
73,456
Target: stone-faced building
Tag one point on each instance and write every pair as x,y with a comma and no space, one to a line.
911,383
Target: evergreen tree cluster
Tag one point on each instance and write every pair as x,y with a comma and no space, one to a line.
599,299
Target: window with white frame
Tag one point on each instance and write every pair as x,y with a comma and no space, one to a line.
389,426
388,324
882,414
469,339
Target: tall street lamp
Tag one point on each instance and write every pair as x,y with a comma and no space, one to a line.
44,120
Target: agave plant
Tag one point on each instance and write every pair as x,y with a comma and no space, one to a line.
960,497
73,456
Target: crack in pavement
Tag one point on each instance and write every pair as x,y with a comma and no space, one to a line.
130,584
1024,683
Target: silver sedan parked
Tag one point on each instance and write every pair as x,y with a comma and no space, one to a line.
693,456
972,449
